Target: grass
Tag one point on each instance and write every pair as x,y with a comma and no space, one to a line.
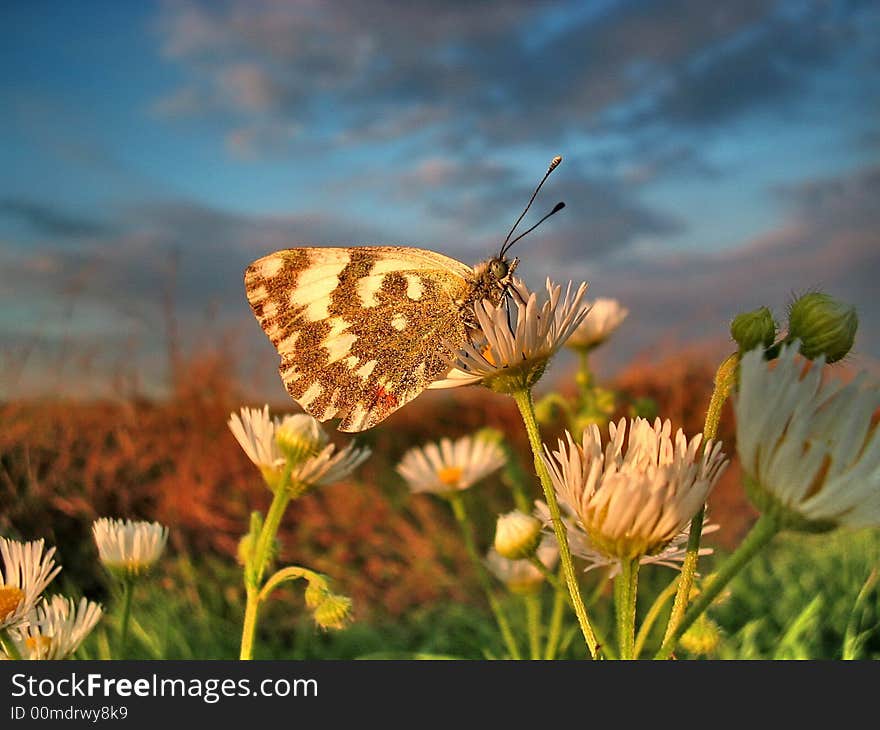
806,597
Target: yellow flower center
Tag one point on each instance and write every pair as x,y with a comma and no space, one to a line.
450,476
38,645
10,598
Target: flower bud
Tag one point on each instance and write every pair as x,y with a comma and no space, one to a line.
517,535
703,638
824,326
753,329
316,593
245,550
333,612
299,437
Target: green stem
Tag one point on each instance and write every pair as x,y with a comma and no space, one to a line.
259,561
625,591
8,645
533,618
464,524
760,534
249,625
551,577
584,376
725,379
526,407
127,592
263,549
652,616
560,599
599,588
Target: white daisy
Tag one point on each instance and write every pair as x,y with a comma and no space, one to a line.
522,576
605,316
519,336
581,546
297,439
27,570
56,628
255,432
127,547
811,452
636,495
450,466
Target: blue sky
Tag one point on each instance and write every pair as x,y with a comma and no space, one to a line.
717,158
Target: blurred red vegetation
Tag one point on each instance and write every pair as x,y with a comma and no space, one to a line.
63,464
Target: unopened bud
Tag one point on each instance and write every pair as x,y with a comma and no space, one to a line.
753,329
703,638
316,593
517,535
333,612
300,437
824,326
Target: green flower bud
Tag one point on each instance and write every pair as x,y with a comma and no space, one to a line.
245,550
753,329
300,437
316,593
333,612
517,535
824,326
703,638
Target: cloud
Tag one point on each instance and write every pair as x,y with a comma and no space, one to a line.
763,64
467,77
603,215
49,221
830,241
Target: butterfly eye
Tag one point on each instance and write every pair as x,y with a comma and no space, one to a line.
499,269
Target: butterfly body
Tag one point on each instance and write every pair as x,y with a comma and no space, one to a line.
363,330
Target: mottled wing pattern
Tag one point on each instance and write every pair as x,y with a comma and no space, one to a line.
361,330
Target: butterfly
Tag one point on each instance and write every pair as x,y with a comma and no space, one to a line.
363,330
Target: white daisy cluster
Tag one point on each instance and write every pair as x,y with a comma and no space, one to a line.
33,626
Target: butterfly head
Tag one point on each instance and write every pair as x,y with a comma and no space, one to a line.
493,277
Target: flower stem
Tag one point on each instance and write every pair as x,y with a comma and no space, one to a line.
560,598
584,376
526,407
625,592
651,616
8,645
533,618
249,625
259,561
127,592
551,577
464,524
760,534
725,379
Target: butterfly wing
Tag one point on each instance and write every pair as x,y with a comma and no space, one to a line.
361,331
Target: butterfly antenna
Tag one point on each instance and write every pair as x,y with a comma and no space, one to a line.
554,163
556,208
